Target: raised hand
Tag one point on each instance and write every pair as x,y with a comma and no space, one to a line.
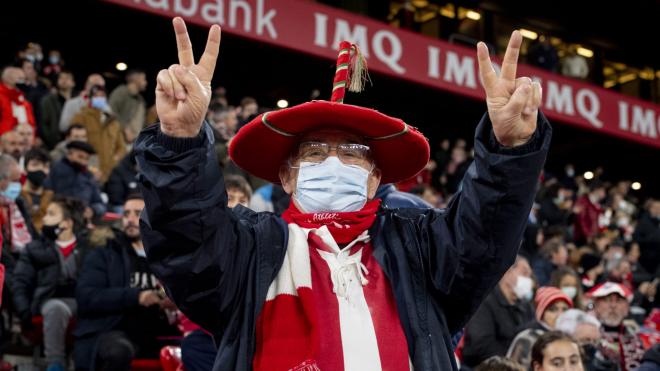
183,91
513,104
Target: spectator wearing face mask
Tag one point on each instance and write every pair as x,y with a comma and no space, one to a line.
104,132
74,105
568,281
14,107
71,177
45,277
621,343
55,65
550,304
15,222
501,316
37,165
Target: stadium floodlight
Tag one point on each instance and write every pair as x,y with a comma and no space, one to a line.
585,52
529,34
121,66
282,103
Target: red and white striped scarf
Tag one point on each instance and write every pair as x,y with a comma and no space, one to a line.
330,308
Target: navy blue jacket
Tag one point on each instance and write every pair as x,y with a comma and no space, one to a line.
64,179
217,263
395,199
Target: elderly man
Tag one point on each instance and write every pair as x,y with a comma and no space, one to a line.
338,282
620,339
14,107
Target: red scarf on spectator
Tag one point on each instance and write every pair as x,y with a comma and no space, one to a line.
288,330
344,226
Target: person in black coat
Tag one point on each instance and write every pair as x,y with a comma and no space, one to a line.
45,276
122,182
120,304
223,266
70,177
504,313
647,234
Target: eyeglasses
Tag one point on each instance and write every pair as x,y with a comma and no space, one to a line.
348,153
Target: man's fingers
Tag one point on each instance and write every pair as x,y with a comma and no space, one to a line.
179,90
510,62
164,83
486,70
210,56
183,44
189,81
537,94
519,98
522,80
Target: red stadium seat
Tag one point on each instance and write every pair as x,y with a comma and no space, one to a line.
146,365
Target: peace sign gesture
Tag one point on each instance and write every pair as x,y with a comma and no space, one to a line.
183,91
513,104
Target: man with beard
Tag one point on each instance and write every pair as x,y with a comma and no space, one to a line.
620,343
121,305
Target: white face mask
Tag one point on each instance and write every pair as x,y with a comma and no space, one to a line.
331,186
523,288
570,291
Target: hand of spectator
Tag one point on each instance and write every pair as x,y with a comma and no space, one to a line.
183,91
512,103
148,298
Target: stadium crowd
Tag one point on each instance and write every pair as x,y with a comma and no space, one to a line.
78,289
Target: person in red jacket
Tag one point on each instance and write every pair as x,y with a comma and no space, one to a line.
14,108
589,210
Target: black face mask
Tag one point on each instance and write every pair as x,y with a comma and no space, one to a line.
36,177
589,351
51,232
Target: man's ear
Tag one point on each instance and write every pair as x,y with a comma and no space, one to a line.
373,182
287,179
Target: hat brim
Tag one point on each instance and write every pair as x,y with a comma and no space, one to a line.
263,145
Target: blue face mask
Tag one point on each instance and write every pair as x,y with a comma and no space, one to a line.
99,103
12,191
331,186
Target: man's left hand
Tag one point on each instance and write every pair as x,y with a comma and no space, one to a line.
513,104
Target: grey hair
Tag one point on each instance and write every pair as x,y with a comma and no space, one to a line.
568,321
6,162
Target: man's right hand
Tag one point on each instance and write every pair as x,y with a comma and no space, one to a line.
183,91
148,298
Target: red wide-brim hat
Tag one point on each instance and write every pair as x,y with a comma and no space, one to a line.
263,145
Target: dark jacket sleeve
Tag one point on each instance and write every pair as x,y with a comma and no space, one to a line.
94,293
201,250
22,284
476,239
